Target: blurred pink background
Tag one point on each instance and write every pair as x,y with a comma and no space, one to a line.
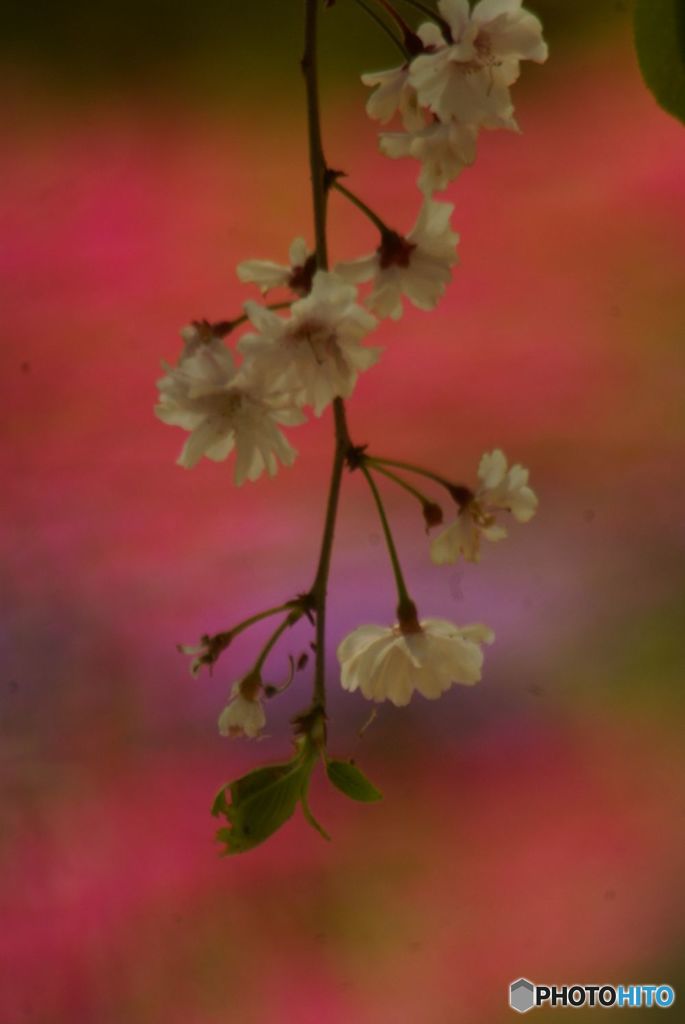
532,825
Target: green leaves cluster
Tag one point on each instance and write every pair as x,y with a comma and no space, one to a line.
257,804
660,44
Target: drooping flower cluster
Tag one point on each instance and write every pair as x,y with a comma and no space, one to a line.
457,85
306,352
390,663
306,359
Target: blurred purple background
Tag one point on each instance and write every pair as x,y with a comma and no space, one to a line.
532,825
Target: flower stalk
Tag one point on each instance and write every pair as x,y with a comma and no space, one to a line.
406,609
411,40
317,165
362,206
385,28
404,484
288,621
455,489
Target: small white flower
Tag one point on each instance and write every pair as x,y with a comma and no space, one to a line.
389,664
500,489
226,408
468,78
393,93
266,274
444,149
316,353
418,266
244,714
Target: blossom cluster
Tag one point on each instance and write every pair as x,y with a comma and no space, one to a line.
298,356
457,84
288,363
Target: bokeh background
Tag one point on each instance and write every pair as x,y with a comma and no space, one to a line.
532,825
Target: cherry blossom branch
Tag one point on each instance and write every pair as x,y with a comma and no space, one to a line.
318,174
444,93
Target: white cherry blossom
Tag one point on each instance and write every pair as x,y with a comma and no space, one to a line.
418,265
500,489
266,274
393,94
393,91
468,78
244,714
444,149
316,353
385,663
225,408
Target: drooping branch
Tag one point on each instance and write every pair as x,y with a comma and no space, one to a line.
317,164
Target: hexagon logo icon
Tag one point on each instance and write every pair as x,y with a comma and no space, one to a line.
522,995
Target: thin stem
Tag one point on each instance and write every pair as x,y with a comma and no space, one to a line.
317,165
386,28
361,205
377,461
246,623
289,620
342,445
402,593
407,31
405,485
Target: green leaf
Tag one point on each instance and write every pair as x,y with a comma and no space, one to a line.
352,782
660,43
262,801
251,783
245,786
220,804
255,817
